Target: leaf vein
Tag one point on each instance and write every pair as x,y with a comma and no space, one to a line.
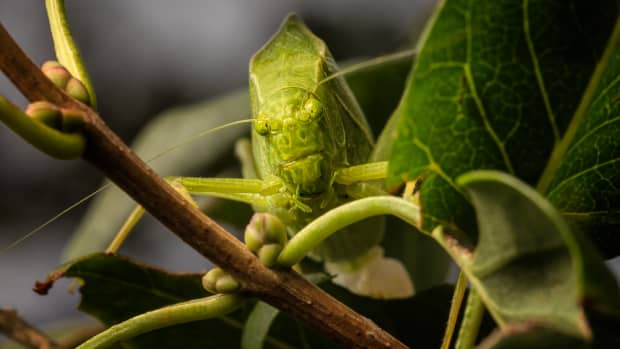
539,78
591,132
594,168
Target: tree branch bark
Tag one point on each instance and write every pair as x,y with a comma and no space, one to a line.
285,290
22,332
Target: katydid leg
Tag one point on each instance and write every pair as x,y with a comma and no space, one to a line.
364,172
251,191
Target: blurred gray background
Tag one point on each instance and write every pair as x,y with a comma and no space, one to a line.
145,56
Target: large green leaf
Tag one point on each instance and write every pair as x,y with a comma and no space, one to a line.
496,86
116,288
586,186
528,264
257,325
426,262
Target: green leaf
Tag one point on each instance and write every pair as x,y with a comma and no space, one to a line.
531,335
426,262
528,264
586,185
115,289
257,325
495,86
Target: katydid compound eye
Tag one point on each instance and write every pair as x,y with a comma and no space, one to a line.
262,127
312,107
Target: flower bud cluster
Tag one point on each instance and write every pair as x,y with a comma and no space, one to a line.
266,236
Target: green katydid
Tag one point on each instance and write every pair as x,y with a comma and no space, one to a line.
310,144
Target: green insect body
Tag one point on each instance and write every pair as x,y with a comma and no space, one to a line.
305,131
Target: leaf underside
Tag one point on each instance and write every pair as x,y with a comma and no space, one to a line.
528,264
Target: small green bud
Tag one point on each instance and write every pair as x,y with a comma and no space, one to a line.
268,254
57,73
72,120
77,90
226,284
46,113
217,280
266,236
210,278
253,238
264,228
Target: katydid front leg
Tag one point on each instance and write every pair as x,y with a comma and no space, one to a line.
370,274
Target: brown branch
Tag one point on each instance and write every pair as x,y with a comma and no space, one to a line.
22,332
285,290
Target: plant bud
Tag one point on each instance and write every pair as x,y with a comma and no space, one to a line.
45,113
264,228
77,90
72,120
226,284
57,73
218,281
210,278
268,254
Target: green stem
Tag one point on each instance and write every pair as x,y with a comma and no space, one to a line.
321,228
455,308
122,234
67,52
194,310
48,140
474,310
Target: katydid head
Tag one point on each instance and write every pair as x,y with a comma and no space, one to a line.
292,124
